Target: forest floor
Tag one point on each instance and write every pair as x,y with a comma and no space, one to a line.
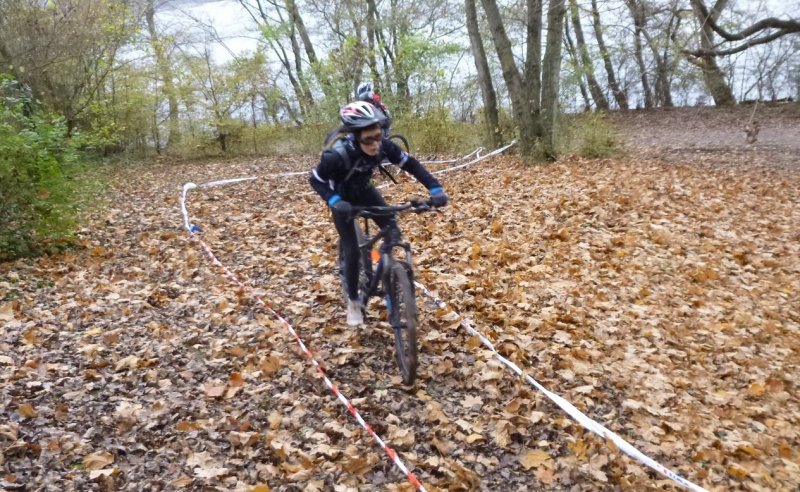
659,292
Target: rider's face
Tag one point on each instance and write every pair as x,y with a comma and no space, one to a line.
370,141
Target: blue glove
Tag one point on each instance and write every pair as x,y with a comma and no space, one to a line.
438,197
340,206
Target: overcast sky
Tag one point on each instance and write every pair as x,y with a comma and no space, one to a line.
235,26
232,23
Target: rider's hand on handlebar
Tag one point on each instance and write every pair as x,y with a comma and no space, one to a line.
438,197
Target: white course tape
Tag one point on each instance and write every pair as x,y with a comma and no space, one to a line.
461,166
476,152
478,159
568,407
209,184
462,158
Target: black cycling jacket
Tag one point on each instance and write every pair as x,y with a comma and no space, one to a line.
328,178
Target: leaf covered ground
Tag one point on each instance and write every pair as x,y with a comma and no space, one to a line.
661,296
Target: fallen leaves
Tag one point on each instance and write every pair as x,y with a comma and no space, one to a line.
661,300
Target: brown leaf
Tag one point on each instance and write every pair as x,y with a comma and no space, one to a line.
6,311
497,226
186,426
274,420
214,390
444,446
26,410
231,391
579,447
129,362
545,475
785,451
98,460
737,472
357,465
236,351
236,380
31,337
535,459
756,389
182,482
106,472
270,365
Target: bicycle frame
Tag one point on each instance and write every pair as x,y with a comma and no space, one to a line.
390,240
386,259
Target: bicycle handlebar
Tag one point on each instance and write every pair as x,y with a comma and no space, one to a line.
416,206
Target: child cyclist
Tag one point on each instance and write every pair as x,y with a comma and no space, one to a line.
343,178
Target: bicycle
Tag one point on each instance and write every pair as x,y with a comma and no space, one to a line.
391,278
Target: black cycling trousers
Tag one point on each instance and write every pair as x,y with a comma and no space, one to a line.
349,241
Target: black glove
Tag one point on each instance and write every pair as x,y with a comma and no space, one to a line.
438,197
340,206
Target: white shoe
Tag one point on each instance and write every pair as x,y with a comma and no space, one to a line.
354,314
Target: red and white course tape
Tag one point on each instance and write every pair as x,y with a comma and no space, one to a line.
350,408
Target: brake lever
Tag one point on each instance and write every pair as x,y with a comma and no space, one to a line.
420,206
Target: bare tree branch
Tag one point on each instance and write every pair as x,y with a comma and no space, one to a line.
779,28
784,26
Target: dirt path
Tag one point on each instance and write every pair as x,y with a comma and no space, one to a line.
713,135
659,298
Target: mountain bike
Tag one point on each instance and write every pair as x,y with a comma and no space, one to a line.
391,278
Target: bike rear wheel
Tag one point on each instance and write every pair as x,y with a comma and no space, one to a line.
401,141
402,308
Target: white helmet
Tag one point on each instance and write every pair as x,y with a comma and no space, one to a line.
364,91
359,115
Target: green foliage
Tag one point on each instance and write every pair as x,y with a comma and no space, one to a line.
590,135
507,129
42,185
437,133
287,140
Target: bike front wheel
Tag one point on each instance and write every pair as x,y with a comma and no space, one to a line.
402,308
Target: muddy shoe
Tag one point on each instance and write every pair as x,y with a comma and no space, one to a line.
355,315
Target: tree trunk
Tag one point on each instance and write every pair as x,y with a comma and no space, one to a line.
484,75
600,100
524,118
587,103
715,80
387,55
167,76
619,94
297,22
638,25
533,57
551,75
298,65
372,41
663,94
